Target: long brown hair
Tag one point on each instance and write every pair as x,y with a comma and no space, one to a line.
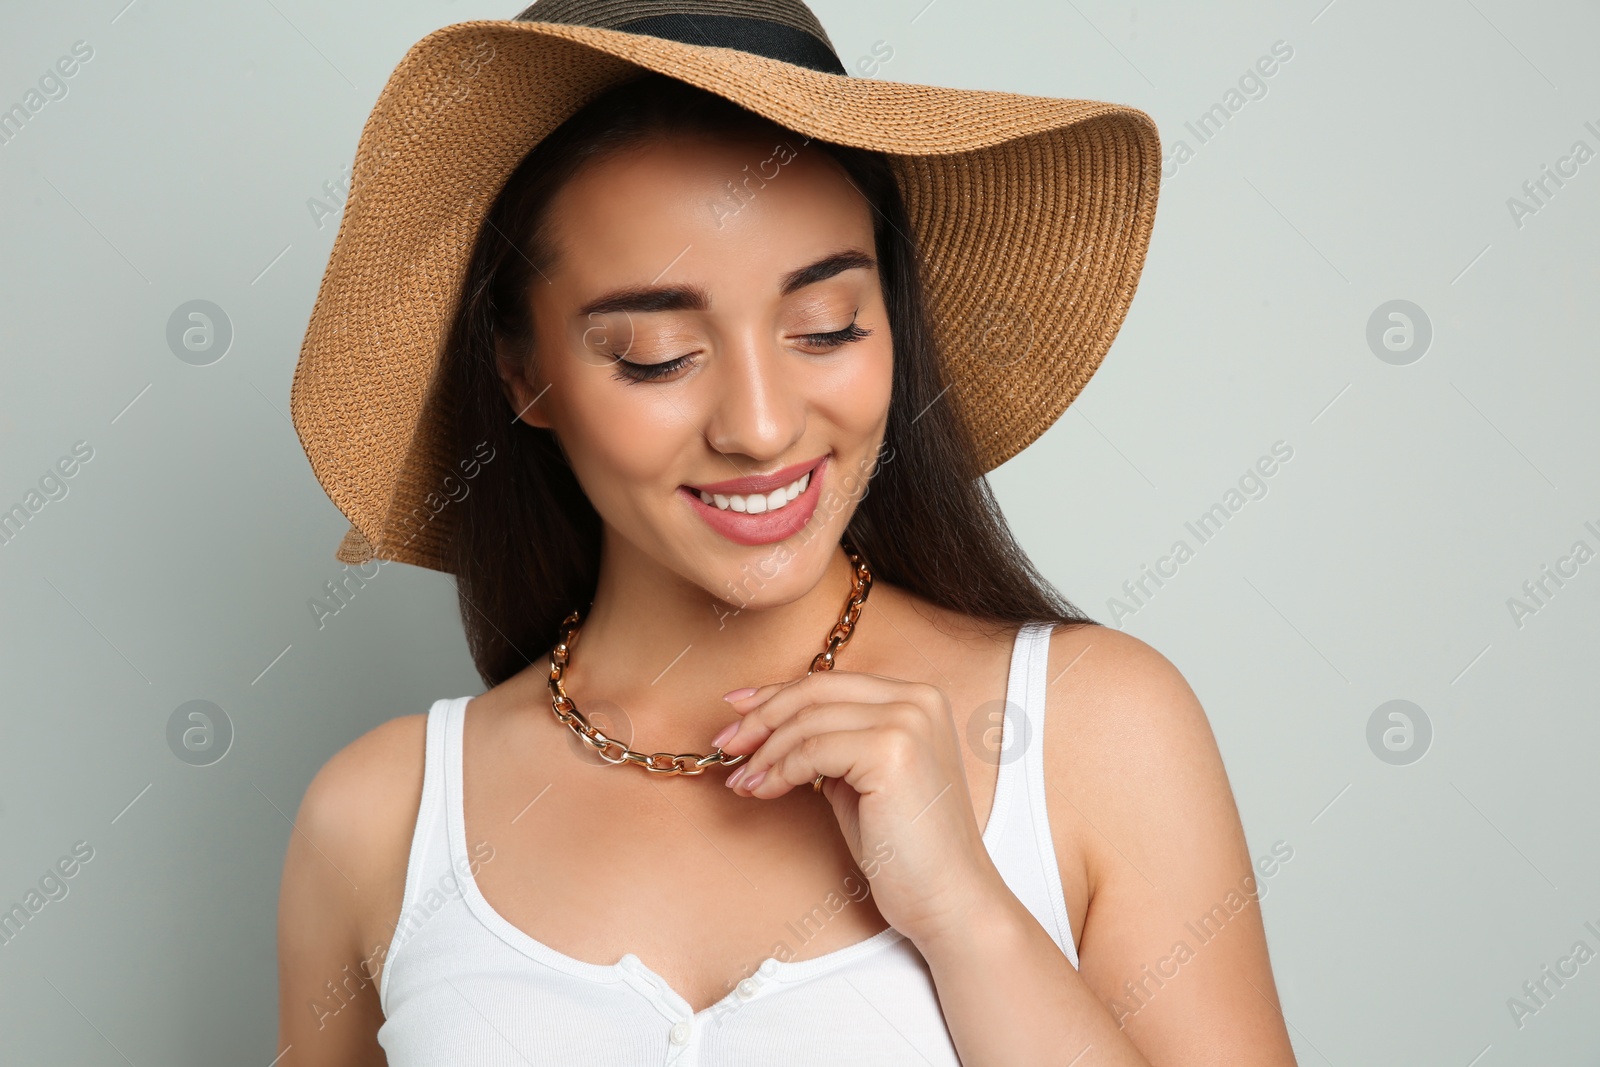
527,547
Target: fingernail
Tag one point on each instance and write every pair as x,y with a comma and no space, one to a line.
733,779
725,736
752,783
739,694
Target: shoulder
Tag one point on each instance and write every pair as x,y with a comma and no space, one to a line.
357,816
1128,748
368,791
1108,666
387,758
1149,839
343,879
1113,688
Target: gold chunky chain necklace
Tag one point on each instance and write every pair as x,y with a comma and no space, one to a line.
613,751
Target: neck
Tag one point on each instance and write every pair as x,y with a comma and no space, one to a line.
665,650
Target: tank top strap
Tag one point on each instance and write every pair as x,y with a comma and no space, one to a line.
429,853
1025,847
1023,720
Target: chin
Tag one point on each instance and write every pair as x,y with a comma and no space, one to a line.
769,575
757,576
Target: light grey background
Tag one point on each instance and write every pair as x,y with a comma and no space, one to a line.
1378,165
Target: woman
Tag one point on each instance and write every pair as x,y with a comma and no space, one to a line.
692,407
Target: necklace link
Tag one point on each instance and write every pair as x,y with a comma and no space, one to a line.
689,763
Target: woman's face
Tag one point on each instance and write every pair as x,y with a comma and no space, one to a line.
713,325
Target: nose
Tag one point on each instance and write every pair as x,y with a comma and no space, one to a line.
758,405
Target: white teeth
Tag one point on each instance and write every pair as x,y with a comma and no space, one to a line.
757,503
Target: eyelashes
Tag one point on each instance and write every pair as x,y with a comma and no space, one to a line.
649,372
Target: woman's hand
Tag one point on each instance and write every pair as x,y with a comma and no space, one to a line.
896,781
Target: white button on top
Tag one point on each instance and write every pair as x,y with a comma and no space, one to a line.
746,989
680,1033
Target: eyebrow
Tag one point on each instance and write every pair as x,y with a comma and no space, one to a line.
647,298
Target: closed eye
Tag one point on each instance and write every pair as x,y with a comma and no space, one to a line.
836,338
630,372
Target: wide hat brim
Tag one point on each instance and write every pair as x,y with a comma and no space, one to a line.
1032,217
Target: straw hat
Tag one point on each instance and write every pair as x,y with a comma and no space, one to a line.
1032,216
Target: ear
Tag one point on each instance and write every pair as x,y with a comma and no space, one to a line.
521,388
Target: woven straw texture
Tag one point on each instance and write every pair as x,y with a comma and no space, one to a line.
1033,216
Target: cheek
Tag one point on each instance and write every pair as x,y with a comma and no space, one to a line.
857,397
617,437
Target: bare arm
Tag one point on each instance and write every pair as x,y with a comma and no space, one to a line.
342,875
1137,787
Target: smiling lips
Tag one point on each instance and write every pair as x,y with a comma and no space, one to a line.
759,511
757,503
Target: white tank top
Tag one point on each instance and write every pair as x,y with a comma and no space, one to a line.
461,985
